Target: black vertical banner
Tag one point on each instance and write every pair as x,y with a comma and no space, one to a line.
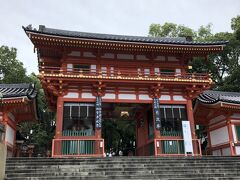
98,112
156,109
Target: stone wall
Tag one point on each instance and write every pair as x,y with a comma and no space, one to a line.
3,153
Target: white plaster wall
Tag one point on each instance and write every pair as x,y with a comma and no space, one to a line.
87,95
178,98
141,57
108,55
125,56
10,135
146,71
216,153
88,54
235,115
165,97
237,150
69,67
219,136
75,53
172,58
217,119
157,70
127,96
72,95
160,58
144,97
226,152
93,67
109,96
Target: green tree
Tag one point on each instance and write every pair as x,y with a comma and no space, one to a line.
170,30
12,68
222,65
14,72
235,25
43,130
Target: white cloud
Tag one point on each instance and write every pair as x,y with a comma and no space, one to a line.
131,17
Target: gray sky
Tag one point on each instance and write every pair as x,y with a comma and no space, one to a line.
129,17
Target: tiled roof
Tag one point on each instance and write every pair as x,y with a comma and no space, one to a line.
122,38
212,97
17,90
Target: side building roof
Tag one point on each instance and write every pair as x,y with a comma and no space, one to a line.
18,90
20,100
213,97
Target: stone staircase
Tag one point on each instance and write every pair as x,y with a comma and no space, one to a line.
165,168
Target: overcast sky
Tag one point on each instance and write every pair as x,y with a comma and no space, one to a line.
129,17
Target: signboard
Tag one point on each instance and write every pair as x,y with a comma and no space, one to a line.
98,112
187,136
156,110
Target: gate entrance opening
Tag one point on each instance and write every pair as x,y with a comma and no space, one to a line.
121,123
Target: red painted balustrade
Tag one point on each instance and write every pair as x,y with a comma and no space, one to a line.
122,73
77,147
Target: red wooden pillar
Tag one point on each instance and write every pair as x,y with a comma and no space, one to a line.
209,141
59,117
59,127
5,120
230,135
192,124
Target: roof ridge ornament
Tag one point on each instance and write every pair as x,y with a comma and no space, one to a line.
41,28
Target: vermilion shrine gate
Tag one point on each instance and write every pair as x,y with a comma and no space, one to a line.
17,105
219,112
85,75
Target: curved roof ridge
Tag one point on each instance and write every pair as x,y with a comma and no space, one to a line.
112,37
212,97
18,90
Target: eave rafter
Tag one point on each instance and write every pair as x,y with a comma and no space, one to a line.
155,90
54,41
192,91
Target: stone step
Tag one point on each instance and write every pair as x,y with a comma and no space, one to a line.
124,168
122,159
115,159
137,157
119,178
127,175
117,167
122,172
122,164
119,160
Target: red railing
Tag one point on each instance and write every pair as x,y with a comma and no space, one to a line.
123,73
76,147
175,147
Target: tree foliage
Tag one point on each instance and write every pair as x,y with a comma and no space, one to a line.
14,72
43,130
119,134
224,65
12,68
170,30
